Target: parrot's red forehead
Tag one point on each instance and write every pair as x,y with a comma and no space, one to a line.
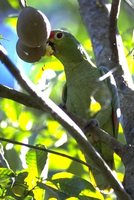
52,35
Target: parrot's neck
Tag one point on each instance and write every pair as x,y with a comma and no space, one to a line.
76,55
76,61
78,68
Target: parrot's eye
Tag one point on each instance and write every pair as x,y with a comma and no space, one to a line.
59,35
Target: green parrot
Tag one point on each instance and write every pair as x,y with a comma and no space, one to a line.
83,88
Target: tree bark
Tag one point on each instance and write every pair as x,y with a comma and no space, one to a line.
96,17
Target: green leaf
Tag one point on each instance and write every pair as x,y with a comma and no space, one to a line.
20,178
20,190
52,192
11,109
6,176
9,198
20,187
36,161
73,186
25,120
14,3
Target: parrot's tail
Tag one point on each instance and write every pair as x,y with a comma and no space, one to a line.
107,154
101,182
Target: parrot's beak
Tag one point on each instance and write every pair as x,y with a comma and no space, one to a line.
50,48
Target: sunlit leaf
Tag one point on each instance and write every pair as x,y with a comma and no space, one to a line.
58,162
11,109
38,193
11,21
52,192
46,63
25,120
74,186
14,3
118,163
36,160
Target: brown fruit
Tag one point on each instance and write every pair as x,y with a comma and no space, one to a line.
29,54
33,27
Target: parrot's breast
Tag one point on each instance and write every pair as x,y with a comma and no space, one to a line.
82,85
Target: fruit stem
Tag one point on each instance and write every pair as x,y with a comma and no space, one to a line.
22,3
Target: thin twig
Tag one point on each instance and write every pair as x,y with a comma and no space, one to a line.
46,150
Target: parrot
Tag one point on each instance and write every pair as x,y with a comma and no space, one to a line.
84,87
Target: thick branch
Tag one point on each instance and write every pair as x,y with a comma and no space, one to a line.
47,105
106,138
113,29
9,93
27,100
126,94
96,18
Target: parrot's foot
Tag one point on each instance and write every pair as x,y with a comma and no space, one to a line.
88,130
91,123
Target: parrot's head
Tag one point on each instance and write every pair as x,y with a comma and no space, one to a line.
65,47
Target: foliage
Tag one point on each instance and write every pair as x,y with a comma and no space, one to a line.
35,174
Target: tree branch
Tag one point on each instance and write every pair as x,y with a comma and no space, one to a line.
25,99
106,138
97,20
45,150
113,29
126,93
48,106
118,58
